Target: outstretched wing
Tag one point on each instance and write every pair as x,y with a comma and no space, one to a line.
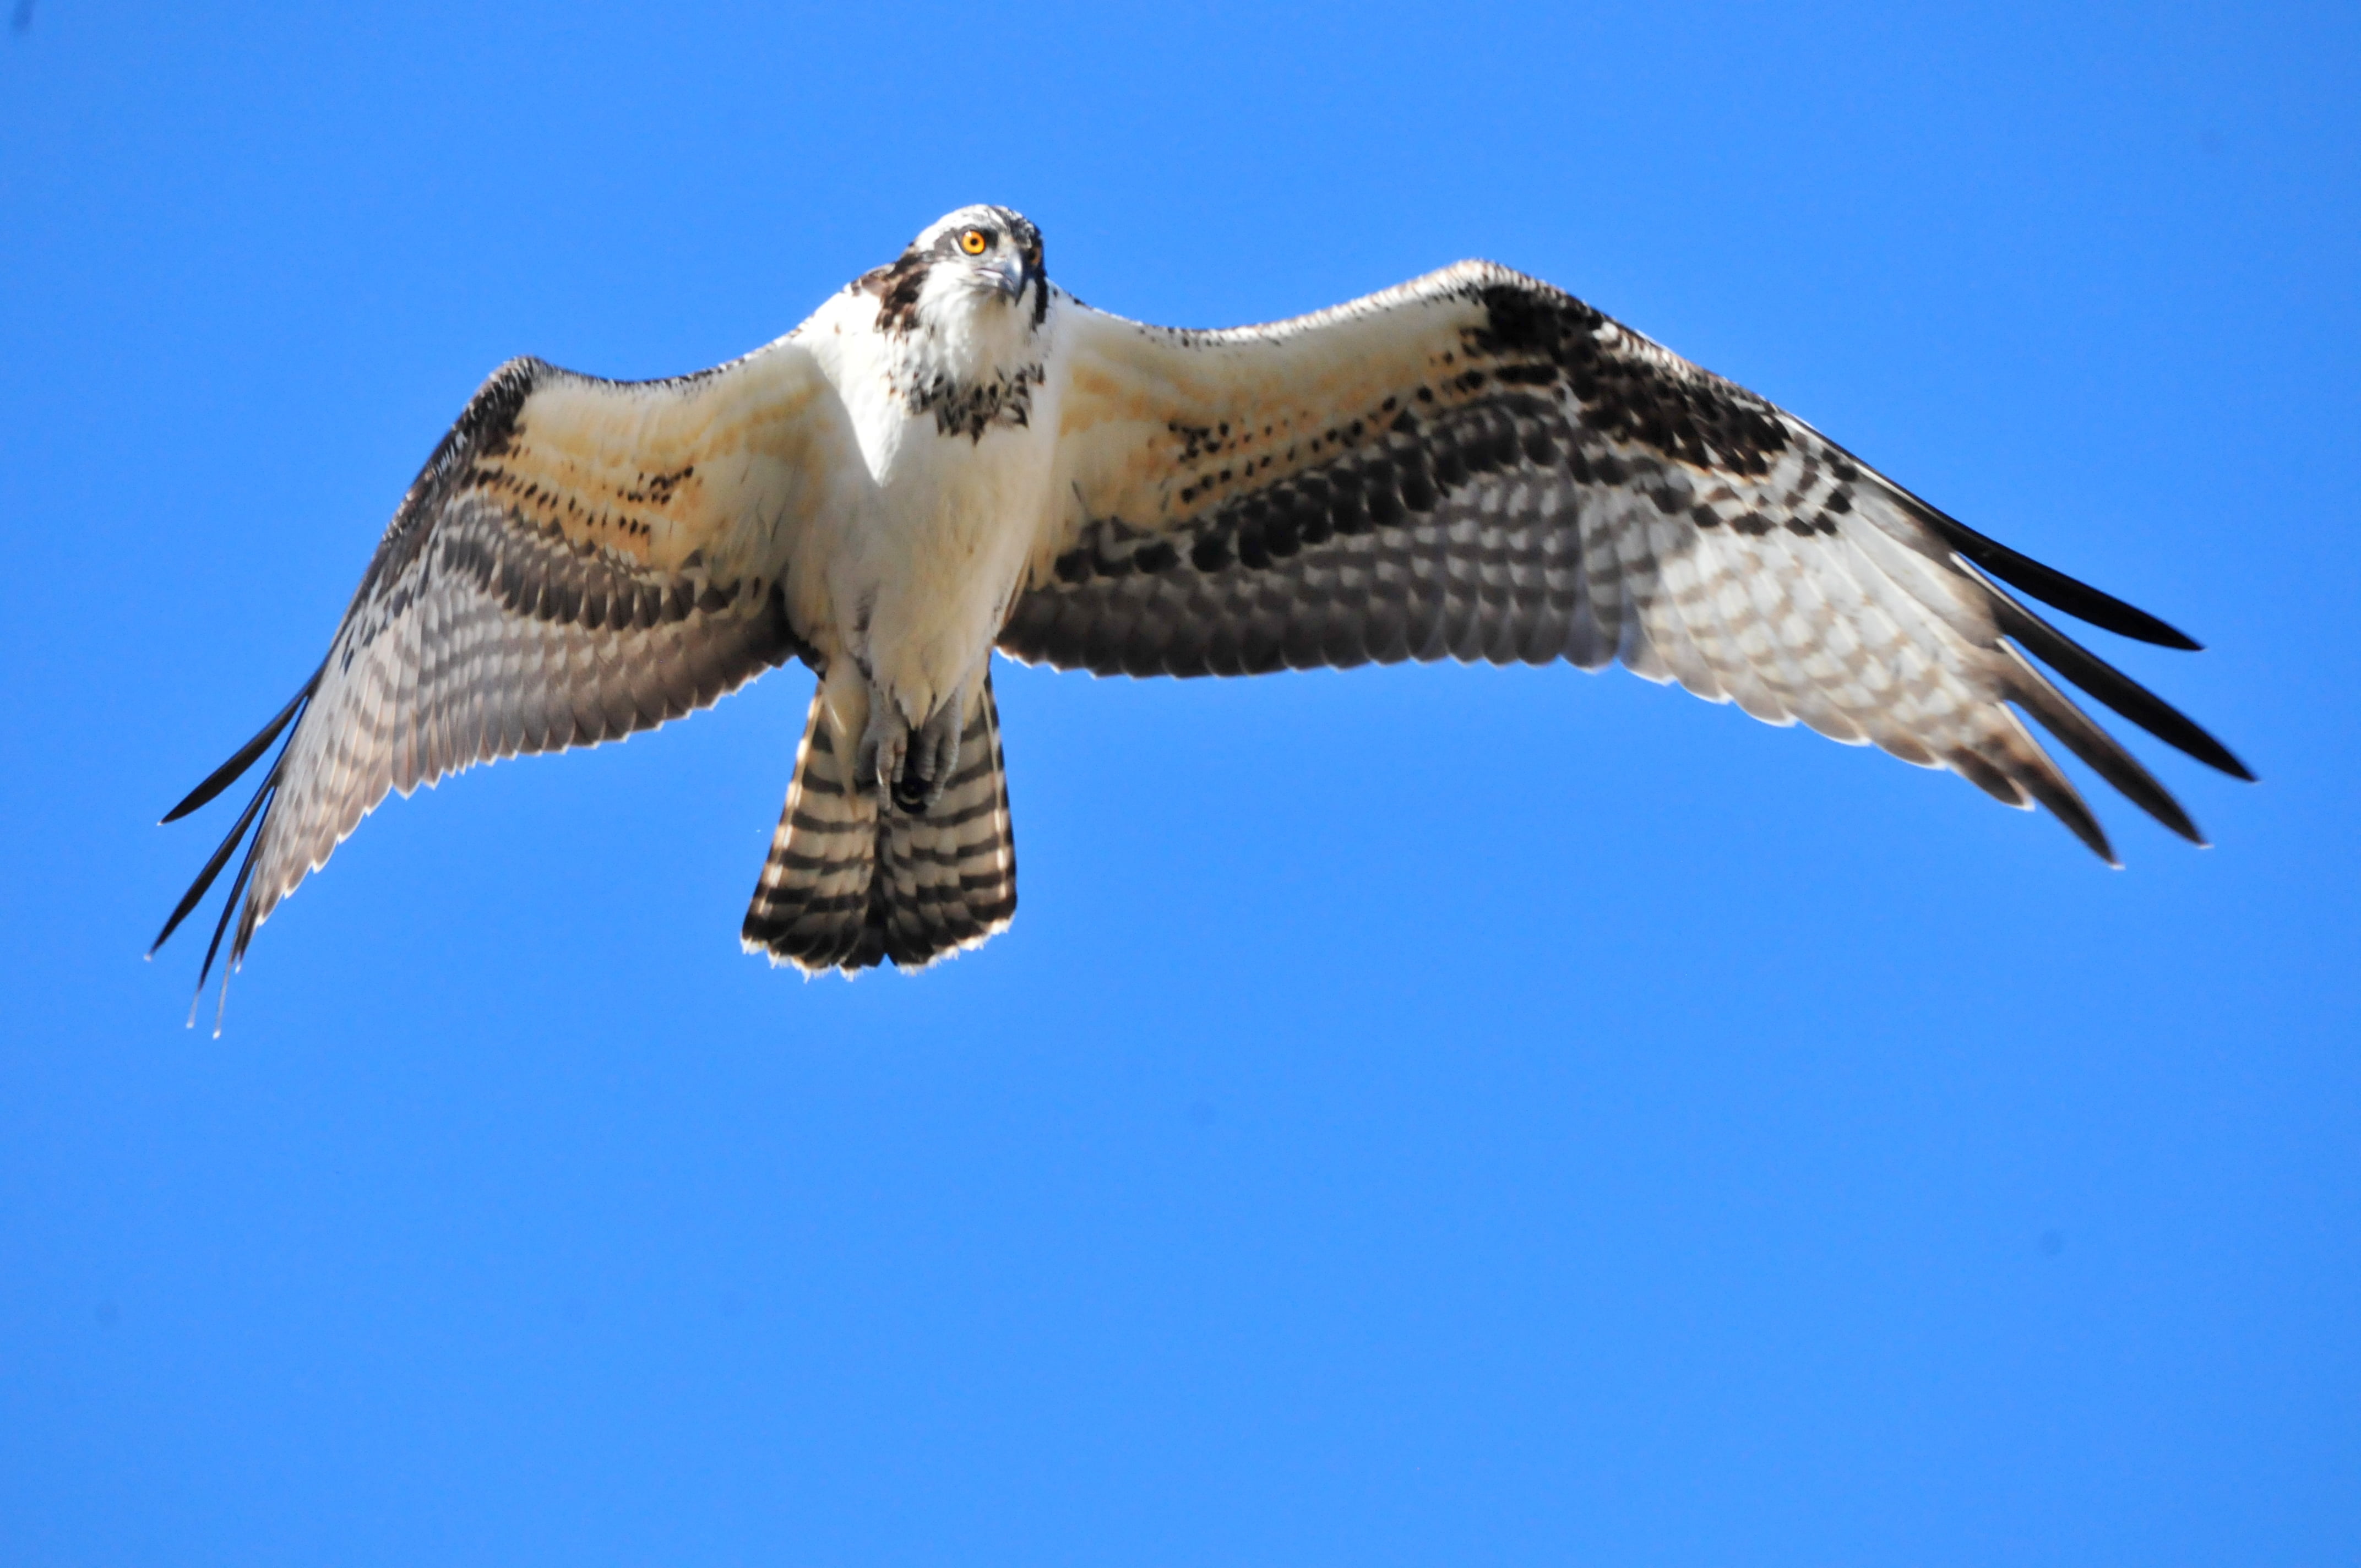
1476,466
578,560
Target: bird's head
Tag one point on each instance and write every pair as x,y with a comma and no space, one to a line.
979,267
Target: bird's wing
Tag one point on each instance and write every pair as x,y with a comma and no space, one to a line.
579,559
1478,465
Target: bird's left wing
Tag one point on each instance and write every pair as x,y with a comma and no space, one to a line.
579,559
1478,465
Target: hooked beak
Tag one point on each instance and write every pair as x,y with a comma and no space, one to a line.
1011,273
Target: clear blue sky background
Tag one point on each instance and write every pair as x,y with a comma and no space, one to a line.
1420,1116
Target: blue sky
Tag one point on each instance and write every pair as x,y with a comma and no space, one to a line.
1420,1116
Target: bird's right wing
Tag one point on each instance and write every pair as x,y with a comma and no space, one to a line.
579,559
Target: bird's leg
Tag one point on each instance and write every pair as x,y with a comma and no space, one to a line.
859,710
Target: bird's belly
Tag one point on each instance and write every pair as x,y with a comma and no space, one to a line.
952,532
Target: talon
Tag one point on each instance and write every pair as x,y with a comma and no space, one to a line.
879,759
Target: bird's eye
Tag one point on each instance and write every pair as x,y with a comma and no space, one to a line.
975,242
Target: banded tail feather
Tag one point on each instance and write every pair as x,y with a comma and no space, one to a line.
853,882
812,901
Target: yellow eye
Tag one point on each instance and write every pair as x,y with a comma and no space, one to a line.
975,242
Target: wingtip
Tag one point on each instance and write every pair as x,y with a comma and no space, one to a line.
2217,756
2113,687
220,778
2111,614
2048,584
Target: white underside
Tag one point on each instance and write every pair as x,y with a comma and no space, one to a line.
921,566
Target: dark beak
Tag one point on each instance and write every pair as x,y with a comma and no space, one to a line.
1013,274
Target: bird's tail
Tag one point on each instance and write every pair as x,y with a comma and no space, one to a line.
853,879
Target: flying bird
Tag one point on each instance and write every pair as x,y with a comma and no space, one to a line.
954,456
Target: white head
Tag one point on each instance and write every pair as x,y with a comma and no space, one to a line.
977,271
960,316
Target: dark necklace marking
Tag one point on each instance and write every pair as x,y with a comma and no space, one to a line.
970,410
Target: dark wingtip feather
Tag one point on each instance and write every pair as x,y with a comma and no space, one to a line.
2114,688
220,778
256,808
229,905
2069,807
2049,585
2043,786
2230,763
2101,752
213,868
2052,586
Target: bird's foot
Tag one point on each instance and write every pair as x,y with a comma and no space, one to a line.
911,767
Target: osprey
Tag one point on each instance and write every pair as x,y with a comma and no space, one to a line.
953,454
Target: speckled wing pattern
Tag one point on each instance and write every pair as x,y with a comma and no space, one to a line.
1475,465
578,560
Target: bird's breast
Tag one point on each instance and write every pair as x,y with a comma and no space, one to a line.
920,589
